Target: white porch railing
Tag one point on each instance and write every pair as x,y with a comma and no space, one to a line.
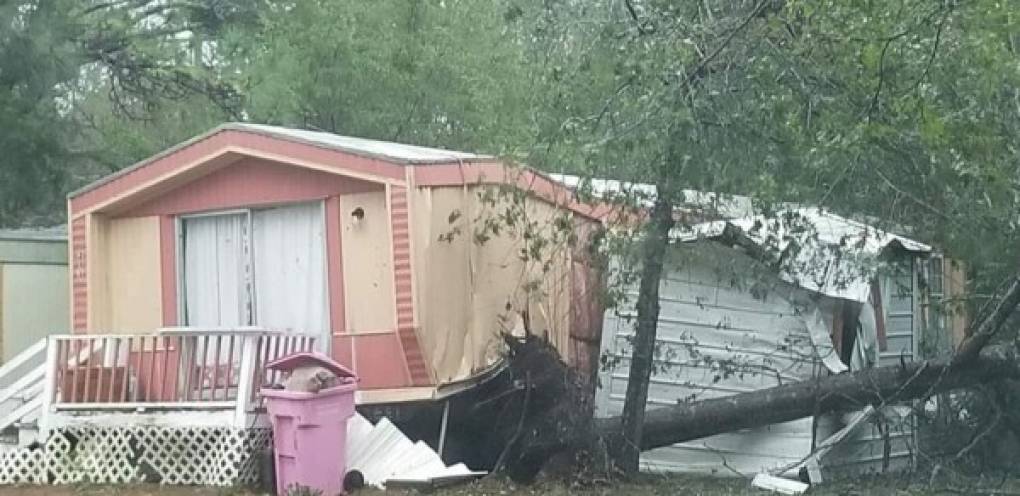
178,369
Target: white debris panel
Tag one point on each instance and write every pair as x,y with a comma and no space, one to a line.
382,453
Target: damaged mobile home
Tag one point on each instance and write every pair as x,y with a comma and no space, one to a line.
750,302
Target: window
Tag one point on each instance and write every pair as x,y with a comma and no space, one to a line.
936,339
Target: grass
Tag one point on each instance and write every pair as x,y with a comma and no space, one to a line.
902,485
899,485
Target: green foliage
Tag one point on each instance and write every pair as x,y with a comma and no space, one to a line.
31,153
76,78
450,73
901,113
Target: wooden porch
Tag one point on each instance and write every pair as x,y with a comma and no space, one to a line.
175,377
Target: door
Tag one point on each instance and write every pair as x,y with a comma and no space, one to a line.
259,267
288,252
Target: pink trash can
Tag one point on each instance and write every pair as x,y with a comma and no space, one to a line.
310,429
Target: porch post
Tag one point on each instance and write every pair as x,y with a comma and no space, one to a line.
246,380
49,389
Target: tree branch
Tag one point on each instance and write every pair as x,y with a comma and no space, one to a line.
641,25
729,38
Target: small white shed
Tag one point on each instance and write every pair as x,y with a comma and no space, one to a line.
33,287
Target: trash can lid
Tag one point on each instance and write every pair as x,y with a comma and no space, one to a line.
306,358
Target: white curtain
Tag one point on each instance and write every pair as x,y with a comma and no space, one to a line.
215,293
288,253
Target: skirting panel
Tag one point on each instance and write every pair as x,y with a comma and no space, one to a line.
208,456
22,466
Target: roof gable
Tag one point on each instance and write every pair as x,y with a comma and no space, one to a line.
358,158
247,182
368,160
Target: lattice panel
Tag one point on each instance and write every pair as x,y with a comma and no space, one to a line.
22,466
99,455
204,456
168,455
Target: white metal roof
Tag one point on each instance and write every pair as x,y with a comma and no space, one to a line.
54,233
409,154
835,256
726,206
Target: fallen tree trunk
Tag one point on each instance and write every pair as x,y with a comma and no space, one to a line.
974,363
877,386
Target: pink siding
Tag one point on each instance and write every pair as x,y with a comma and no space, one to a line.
377,361
343,350
217,144
247,183
168,268
335,277
250,182
79,275
380,358
416,366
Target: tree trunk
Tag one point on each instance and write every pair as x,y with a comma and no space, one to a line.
877,386
1001,313
628,444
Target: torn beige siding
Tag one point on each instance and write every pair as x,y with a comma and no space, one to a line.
444,285
474,283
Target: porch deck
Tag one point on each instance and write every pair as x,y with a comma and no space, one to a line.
179,376
182,404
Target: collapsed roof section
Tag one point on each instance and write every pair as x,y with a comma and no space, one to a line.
812,248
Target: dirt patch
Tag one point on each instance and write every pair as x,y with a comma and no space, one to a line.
899,485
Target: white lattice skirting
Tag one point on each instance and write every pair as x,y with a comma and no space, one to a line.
210,456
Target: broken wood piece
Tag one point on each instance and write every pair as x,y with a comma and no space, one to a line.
778,484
